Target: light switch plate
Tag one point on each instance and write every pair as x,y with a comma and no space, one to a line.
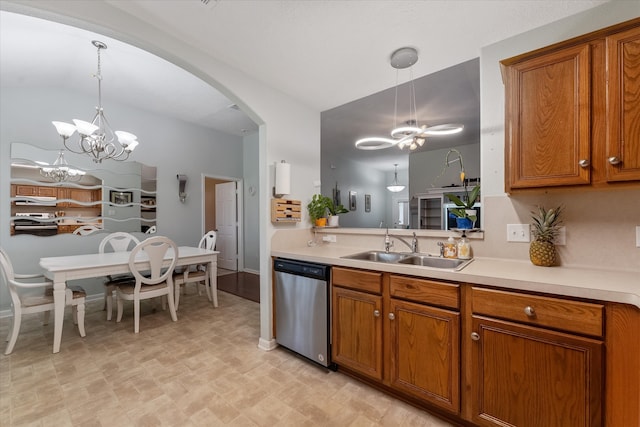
561,238
518,233
329,238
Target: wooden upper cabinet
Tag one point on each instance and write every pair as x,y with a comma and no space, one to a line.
572,112
548,120
623,139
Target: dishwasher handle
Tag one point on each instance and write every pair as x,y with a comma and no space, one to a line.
302,268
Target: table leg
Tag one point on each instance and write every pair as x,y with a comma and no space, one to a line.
58,318
213,280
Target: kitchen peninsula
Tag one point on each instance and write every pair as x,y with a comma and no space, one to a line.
481,344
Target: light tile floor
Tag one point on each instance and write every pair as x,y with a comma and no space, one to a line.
204,370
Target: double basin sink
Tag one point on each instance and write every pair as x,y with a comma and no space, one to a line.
423,260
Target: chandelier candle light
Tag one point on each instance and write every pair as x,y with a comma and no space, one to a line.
410,135
96,137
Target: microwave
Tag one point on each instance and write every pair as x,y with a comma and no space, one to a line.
449,219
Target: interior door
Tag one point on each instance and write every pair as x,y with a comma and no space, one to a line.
227,225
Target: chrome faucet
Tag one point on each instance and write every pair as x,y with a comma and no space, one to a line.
388,243
441,244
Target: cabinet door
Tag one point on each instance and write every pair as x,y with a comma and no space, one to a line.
530,377
47,191
548,120
80,195
623,124
357,331
26,190
425,353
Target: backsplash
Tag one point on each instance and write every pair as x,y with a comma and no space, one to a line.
600,229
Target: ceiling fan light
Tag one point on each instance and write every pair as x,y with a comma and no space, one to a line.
405,131
446,129
374,143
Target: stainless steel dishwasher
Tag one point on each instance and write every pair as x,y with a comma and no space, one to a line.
302,309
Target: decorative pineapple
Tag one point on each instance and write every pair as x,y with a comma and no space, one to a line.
545,228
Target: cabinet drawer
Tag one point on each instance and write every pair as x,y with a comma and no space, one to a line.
562,314
425,291
357,279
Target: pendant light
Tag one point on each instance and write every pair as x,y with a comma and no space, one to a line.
97,139
410,134
395,187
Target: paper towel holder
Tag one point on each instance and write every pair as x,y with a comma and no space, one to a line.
182,184
284,188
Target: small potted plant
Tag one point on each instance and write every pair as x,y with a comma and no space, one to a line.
465,213
334,210
317,209
546,224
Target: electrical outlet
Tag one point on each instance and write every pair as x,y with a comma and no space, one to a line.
637,236
329,238
518,233
561,238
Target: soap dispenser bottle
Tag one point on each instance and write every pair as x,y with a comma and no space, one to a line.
450,249
464,248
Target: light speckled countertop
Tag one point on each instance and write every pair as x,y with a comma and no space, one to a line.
597,284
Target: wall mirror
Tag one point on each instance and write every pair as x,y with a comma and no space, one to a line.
99,198
451,95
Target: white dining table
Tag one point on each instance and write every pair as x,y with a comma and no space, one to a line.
61,269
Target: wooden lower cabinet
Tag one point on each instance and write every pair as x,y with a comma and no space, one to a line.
527,376
357,331
485,356
403,344
424,352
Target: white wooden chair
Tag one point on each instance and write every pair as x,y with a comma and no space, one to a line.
151,230
157,281
116,242
196,273
36,297
86,230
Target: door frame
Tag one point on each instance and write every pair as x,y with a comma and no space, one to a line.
239,211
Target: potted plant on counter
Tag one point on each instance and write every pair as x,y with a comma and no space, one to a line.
317,209
334,210
465,213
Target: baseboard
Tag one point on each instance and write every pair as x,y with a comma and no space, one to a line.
267,345
251,271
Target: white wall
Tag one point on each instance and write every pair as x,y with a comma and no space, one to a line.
26,116
599,235
251,205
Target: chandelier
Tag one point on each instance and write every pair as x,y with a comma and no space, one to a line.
409,135
395,187
97,139
60,171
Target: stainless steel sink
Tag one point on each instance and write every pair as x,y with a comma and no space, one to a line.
410,259
378,256
435,262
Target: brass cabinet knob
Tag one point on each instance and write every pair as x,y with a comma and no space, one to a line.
475,336
584,163
376,313
529,311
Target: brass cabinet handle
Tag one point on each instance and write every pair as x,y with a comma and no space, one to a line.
584,163
614,160
529,311
475,336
